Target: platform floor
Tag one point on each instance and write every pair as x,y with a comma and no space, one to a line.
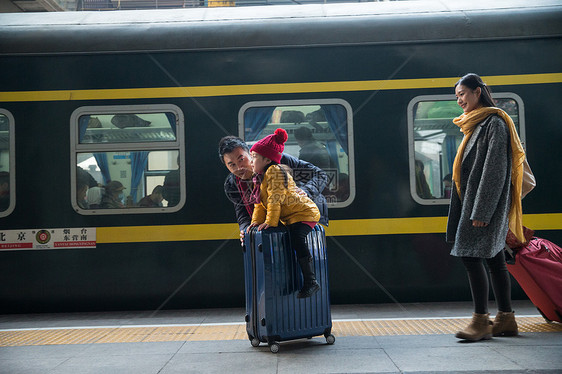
382,338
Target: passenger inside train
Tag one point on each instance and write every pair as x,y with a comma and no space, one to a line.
4,190
422,188
81,191
113,196
447,186
311,150
94,196
154,199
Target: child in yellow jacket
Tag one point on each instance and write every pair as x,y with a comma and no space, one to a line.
276,198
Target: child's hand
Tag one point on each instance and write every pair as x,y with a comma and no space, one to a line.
301,192
242,237
251,225
263,226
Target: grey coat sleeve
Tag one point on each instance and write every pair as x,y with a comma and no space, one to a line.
494,171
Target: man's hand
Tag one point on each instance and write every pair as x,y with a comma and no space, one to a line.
477,223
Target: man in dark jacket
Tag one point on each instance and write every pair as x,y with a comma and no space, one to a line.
235,154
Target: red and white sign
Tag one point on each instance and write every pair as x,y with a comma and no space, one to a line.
76,237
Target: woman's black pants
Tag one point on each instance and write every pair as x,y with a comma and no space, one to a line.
479,284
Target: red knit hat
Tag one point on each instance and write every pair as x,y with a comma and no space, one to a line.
271,146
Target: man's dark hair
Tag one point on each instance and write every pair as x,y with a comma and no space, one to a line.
158,189
303,133
229,144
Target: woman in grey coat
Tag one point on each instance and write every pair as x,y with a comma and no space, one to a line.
482,208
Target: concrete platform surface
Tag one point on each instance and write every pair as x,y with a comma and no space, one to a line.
530,352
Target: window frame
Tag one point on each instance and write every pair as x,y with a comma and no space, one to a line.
310,102
12,163
411,140
76,147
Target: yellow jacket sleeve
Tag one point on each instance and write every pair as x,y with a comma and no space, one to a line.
259,214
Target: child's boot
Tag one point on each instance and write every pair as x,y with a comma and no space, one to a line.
479,328
505,325
310,285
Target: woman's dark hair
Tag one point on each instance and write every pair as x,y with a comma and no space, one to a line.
473,81
229,144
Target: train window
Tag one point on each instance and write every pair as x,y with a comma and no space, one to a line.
320,132
99,128
434,140
7,163
127,159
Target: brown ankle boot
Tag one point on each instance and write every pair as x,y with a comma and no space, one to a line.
479,328
505,325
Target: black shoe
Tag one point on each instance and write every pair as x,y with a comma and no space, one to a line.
309,289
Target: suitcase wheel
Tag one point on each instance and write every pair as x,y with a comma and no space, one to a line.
255,342
274,347
330,339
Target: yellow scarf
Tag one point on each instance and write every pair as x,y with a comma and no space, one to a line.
467,123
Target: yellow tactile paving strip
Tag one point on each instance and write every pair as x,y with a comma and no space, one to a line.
238,331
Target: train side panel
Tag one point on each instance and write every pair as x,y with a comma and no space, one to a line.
174,270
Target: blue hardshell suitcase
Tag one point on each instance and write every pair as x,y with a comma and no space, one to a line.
273,280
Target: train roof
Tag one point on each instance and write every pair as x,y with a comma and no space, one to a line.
278,26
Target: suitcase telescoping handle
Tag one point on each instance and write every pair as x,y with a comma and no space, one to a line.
252,232
551,250
509,255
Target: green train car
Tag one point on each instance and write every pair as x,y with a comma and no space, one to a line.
130,101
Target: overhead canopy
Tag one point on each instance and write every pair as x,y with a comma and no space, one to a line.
276,26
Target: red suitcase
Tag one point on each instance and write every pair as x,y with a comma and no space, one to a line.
538,270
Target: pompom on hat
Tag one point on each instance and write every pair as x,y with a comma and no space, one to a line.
272,146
